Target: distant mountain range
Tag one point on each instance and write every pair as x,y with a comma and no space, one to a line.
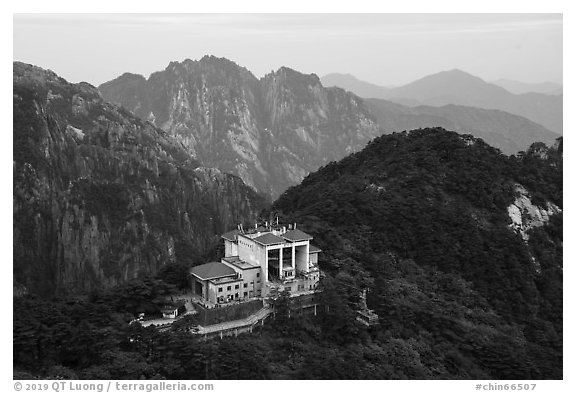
101,197
460,88
521,87
271,132
351,83
509,133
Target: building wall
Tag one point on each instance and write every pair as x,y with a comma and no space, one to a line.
251,277
302,256
214,293
230,248
314,258
247,250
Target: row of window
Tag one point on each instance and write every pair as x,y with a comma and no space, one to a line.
237,286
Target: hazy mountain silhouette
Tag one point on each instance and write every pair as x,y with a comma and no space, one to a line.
460,88
510,133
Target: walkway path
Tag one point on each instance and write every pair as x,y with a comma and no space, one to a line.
239,323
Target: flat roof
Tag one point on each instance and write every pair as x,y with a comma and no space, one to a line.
268,239
295,235
212,270
224,280
236,261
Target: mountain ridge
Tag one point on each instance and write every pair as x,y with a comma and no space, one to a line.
270,131
508,132
427,221
101,196
461,88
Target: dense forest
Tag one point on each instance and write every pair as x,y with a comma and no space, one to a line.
419,219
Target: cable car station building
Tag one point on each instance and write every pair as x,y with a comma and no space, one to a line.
259,262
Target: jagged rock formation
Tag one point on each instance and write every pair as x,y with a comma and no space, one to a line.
271,132
525,215
101,196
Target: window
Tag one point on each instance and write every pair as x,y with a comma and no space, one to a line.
245,285
245,294
258,282
236,286
220,289
257,274
229,288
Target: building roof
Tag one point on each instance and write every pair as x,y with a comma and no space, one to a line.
212,270
313,249
232,235
268,239
236,261
224,280
296,235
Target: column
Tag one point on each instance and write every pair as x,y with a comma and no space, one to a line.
293,256
280,264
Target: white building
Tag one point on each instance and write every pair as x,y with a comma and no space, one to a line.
259,262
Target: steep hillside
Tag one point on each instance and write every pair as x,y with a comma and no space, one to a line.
459,245
100,196
509,133
270,132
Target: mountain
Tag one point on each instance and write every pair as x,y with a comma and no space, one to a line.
509,133
457,87
101,196
354,85
271,132
516,87
459,246
460,88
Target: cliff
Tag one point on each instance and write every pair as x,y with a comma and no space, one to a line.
101,196
270,132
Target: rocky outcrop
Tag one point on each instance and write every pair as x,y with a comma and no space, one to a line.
525,215
101,196
270,132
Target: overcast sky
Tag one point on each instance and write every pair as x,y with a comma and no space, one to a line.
386,49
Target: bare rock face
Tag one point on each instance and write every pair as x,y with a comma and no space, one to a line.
525,215
270,132
101,196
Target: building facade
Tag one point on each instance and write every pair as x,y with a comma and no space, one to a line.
259,262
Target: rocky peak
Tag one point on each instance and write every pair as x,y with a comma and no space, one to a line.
101,196
271,132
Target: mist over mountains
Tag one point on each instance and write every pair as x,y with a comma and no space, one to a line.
273,131
460,88
119,190
510,133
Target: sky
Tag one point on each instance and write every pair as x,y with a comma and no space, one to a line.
385,49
